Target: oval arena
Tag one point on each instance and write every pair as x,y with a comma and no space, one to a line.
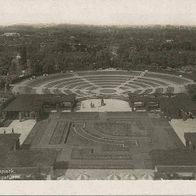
88,84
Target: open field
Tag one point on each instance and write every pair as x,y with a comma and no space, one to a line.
109,83
104,140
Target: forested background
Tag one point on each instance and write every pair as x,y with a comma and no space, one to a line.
48,49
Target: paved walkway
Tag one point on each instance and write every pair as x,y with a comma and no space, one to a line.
22,128
180,127
110,105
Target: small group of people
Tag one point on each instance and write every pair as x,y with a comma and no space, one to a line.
102,103
185,115
5,131
92,105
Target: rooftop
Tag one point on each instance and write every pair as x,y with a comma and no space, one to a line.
176,157
29,102
7,141
28,158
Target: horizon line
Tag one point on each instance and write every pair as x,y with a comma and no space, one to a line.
97,25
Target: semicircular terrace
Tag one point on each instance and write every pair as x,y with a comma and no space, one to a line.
95,83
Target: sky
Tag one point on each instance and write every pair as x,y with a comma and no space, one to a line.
98,12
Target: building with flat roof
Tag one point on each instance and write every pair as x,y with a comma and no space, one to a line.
9,141
33,105
176,163
27,164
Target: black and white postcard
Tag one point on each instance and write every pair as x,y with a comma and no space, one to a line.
98,91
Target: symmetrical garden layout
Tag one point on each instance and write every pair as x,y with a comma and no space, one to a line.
111,83
103,139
